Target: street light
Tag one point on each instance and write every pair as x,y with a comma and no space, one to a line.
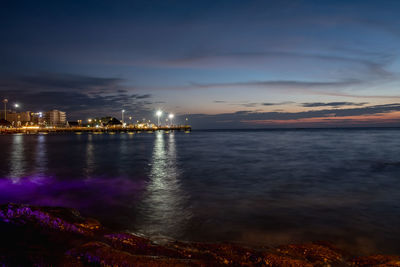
158,114
171,116
5,101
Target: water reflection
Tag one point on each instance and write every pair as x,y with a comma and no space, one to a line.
40,159
90,164
17,160
164,209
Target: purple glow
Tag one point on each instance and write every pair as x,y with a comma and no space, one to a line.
80,194
23,213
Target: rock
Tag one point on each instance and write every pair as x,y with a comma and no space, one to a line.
314,253
377,260
97,253
48,236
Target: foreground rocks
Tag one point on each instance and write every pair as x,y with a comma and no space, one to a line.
47,236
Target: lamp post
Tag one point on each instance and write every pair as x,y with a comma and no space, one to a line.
16,105
171,117
158,113
5,101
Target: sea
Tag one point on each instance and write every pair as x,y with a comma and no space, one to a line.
258,188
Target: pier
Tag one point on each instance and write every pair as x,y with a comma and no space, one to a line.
96,130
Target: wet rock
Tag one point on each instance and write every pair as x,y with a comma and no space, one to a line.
139,245
61,219
279,260
316,254
48,236
97,253
377,260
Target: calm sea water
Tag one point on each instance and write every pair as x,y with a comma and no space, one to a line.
267,187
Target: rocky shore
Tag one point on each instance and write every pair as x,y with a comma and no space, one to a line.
49,236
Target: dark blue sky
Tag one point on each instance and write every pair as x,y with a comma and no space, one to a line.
223,64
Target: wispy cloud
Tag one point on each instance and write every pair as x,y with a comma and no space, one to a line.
237,119
252,104
281,84
62,82
75,94
332,104
277,104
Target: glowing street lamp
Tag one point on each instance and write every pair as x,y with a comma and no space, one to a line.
5,101
158,114
171,117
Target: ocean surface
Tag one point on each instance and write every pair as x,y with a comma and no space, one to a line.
261,187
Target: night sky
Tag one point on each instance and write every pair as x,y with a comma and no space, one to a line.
222,64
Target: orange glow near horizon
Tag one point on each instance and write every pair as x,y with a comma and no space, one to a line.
381,118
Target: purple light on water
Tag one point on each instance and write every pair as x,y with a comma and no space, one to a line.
74,193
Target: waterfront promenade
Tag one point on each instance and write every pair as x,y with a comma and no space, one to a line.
78,130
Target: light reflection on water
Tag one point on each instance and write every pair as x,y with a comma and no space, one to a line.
255,187
89,157
163,208
17,160
40,159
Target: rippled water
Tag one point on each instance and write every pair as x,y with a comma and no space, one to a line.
254,187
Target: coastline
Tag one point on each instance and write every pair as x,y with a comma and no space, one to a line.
48,236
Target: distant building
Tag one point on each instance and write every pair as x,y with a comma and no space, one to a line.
18,119
37,118
55,118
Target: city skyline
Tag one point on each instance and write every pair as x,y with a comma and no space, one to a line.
222,64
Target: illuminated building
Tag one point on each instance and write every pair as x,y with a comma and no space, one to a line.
55,118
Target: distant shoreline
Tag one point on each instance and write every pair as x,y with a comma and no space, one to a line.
80,130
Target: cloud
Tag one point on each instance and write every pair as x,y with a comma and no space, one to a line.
252,104
329,88
62,82
279,84
370,67
246,104
143,96
277,104
76,94
244,118
332,104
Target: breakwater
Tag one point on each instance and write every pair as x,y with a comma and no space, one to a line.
79,130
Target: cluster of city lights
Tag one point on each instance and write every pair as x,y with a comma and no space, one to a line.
145,123
159,113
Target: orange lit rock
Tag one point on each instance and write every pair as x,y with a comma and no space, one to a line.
48,236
